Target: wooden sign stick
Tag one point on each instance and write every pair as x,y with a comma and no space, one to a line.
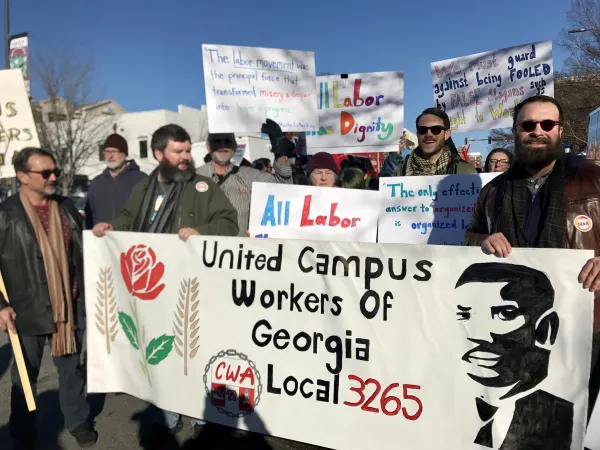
19,359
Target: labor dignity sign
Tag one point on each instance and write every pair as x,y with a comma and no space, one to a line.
433,210
309,212
246,85
480,92
17,128
359,113
397,346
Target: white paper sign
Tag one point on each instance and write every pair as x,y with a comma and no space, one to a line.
344,345
480,92
247,85
428,210
361,112
17,128
308,212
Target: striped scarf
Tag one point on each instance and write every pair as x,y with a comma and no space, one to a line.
52,246
417,165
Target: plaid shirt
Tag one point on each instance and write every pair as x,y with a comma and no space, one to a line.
238,186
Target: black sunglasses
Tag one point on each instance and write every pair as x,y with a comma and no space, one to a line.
547,125
46,173
435,130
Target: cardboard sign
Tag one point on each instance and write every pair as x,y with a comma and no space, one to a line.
308,212
359,113
17,128
480,92
247,85
428,210
345,345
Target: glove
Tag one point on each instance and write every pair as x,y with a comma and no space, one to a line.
271,128
284,148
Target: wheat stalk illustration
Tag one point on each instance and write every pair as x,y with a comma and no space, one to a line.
186,322
106,307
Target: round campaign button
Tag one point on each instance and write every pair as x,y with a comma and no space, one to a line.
201,186
583,223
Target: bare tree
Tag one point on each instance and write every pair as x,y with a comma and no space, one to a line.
65,125
584,47
503,138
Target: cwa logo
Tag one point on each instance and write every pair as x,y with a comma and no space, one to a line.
233,383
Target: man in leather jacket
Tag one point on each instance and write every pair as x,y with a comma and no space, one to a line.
41,261
547,199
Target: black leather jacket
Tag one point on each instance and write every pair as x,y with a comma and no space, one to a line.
23,271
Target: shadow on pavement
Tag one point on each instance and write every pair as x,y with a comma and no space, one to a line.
49,423
5,358
150,436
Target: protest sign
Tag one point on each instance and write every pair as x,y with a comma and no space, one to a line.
309,212
17,128
480,92
428,210
247,85
361,112
399,347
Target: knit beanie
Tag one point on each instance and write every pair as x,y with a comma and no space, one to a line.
117,141
322,160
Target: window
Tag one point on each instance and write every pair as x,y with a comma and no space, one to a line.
101,151
56,117
143,149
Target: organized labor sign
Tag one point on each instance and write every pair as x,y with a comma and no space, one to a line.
397,346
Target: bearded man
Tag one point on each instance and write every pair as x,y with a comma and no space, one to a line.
547,199
173,199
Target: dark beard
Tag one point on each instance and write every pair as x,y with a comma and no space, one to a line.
536,159
171,173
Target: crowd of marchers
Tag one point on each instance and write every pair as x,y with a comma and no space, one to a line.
531,204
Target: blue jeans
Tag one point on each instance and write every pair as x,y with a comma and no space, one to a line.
169,419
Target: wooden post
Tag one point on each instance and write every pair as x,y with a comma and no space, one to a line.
18,352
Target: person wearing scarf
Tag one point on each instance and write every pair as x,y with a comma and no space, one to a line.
547,199
436,153
41,261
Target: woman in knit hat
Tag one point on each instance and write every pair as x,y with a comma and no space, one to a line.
322,170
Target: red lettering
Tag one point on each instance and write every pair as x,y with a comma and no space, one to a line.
346,223
321,220
221,365
355,221
346,122
357,94
333,219
305,221
229,376
248,374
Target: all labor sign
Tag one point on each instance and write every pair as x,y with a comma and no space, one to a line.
345,345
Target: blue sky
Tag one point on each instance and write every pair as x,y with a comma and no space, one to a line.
147,54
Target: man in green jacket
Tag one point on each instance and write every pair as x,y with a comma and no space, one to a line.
174,199
434,155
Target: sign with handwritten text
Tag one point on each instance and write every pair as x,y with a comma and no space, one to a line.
359,113
480,92
17,128
308,212
246,85
428,210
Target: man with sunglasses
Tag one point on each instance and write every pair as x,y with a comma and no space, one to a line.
236,181
547,199
435,154
41,261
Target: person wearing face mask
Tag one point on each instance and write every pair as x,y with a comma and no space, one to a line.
236,181
436,153
109,191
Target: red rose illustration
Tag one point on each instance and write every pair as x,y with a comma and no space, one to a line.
142,273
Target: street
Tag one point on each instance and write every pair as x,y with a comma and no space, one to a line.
120,420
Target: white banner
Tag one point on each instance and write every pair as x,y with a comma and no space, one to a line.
428,210
480,92
17,128
317,213
344,345
247,85
361,112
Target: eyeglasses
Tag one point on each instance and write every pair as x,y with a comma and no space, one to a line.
435,130
501,162
547,125
47,173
